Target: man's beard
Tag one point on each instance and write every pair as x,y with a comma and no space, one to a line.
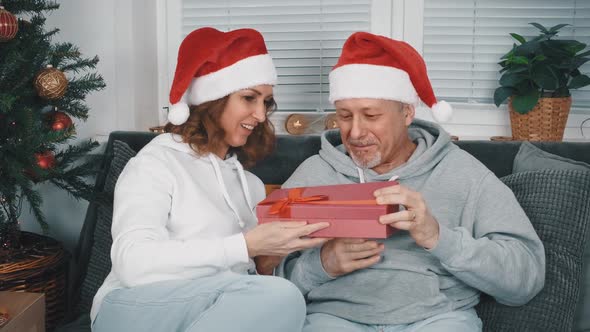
367,164
364,163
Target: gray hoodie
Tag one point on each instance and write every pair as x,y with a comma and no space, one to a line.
486,242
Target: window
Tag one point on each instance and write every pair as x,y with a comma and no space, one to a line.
304,38
461,40
464,39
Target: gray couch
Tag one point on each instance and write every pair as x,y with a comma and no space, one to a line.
557,202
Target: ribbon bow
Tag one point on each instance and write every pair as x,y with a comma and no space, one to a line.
295,196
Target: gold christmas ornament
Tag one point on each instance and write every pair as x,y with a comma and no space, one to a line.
51,83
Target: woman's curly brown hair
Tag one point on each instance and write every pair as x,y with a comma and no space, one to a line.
204,134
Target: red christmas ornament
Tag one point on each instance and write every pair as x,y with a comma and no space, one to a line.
45,160
8,25
60,121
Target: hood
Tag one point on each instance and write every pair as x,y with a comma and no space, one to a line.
174,141
433,143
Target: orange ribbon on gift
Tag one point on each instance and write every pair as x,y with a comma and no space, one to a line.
296,196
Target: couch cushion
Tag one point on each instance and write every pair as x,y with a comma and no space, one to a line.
99,264
582,320
498,156
558,205
531,158
80,324
121,155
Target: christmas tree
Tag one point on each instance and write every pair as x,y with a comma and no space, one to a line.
43,86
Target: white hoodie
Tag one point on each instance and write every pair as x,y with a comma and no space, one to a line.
178,215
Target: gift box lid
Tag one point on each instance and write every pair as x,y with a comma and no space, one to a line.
350,201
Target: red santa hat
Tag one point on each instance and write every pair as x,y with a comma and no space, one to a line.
372,66
213,64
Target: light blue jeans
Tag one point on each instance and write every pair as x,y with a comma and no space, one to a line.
455,321
224,302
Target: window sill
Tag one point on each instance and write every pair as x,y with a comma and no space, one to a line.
469,120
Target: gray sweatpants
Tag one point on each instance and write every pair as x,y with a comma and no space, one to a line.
223,302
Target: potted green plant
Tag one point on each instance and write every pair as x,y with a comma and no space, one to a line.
537,76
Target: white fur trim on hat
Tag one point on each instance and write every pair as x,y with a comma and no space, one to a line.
178,113
371,81
246,73
442,111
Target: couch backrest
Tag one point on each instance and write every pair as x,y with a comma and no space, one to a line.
291,151
498,156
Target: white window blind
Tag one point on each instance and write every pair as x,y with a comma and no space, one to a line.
304,38
464,40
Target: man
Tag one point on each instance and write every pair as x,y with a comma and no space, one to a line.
462,230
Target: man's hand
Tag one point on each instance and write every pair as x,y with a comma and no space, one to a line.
342,256
416,218
266,264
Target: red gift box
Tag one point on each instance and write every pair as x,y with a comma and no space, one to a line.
350,209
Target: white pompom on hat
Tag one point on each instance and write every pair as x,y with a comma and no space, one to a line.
373,66
213,64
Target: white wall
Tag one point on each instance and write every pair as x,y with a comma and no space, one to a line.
123,35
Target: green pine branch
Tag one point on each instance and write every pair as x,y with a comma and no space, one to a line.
67,57
25,118
3,218
75,108
81,64
78,88
75,186
75,152
35,201
29,6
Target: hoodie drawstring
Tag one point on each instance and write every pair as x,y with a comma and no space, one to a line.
244,182
223,188
362,175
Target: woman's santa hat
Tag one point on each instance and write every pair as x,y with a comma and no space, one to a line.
213,64
372,66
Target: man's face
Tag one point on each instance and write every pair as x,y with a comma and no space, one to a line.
373,130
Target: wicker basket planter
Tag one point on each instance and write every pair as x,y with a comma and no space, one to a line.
40,266
545,122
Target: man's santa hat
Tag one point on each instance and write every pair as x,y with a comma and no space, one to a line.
213,64
372,66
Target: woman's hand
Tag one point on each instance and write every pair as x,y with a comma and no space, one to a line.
282,238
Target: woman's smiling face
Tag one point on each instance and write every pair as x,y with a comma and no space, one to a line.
244,110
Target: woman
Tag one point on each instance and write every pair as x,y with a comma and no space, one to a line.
184,230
